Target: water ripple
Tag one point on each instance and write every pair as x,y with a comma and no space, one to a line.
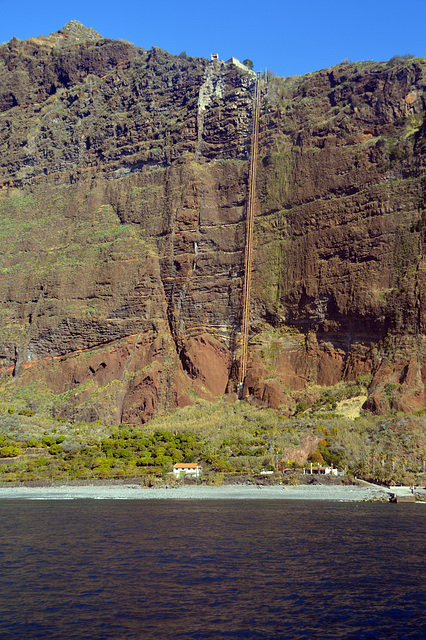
230,569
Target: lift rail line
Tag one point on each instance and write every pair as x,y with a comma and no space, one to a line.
248,252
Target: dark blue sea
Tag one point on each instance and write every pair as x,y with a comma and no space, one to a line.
278,569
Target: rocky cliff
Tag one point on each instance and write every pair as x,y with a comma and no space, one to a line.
340,232
123,188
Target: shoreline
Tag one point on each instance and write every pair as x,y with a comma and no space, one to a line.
345,493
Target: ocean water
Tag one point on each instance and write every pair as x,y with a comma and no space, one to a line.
168,569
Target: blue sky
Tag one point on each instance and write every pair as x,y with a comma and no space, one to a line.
289,38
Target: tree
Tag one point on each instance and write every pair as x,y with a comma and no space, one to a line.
316,457
248,63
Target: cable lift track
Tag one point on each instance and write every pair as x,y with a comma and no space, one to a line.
248,252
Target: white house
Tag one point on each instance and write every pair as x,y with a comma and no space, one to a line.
325,470
187,469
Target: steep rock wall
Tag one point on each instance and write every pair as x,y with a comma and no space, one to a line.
122,206
123,185
340,230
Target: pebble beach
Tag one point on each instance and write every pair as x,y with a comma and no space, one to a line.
351,493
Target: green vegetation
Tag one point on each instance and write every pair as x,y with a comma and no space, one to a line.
230,440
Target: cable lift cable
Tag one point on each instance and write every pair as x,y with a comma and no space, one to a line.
248,252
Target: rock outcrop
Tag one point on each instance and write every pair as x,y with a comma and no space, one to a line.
123,187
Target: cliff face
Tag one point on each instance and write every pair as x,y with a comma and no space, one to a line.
123,201
123,185
341,230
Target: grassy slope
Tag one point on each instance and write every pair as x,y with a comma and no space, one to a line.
228,438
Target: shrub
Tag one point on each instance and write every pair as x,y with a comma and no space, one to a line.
166,462
216,480
389,388
100,462
316,457
55,449
124,454
293,479
176,454
364,379
9,451
403,58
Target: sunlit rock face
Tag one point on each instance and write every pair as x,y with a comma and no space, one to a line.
123,189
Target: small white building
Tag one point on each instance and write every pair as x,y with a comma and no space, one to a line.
325,470
187,469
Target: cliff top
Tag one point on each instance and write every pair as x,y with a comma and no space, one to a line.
79,31
73,32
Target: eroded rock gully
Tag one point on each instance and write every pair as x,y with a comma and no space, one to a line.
123,191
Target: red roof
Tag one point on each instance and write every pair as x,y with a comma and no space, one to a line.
186,465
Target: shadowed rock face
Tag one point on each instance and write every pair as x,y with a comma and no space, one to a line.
123,184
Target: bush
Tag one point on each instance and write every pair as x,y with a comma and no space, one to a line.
329,457
316,457
166,462
216,480
176,454
9,451
293,479
403,58
124,454
100,462
389,388
55,449
364,379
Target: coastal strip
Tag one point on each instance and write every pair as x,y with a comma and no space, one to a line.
351,493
